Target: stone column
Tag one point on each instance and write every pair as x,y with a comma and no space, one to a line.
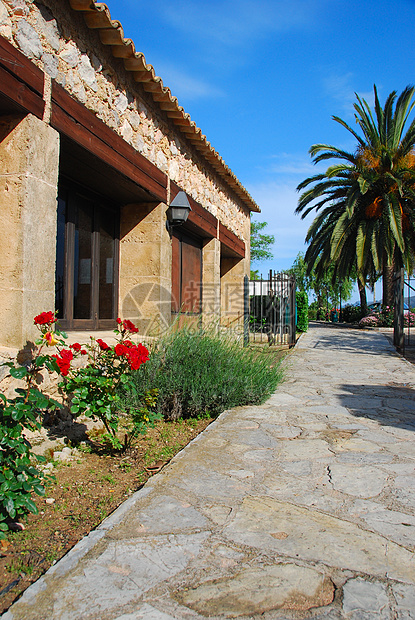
211,281
29,160
145,267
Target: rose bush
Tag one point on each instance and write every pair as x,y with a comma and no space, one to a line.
90,389
19,475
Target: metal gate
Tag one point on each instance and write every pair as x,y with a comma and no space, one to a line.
270,310
403,323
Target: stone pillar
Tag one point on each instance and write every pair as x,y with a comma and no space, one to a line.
29,164
145,267
232,292
232,272
211,281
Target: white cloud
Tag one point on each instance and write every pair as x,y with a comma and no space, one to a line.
184,85
340,88
292,163
233,23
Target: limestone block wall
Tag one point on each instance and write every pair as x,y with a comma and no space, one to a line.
57,39
145,267
29,155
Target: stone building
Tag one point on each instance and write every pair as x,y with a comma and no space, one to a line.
93,149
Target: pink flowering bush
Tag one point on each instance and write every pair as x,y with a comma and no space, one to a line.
373,320
409,319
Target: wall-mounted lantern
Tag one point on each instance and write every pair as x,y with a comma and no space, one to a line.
178,211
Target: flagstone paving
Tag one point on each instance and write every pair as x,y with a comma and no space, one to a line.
302,507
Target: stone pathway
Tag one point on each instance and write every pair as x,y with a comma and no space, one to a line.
302,507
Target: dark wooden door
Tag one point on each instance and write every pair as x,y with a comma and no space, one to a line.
186,274
87,250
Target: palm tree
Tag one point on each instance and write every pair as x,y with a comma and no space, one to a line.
368,196
332,250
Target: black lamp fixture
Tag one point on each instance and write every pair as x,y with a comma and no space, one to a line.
178,211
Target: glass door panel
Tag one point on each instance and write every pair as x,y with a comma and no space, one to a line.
83,260
60,257
106,264
86,260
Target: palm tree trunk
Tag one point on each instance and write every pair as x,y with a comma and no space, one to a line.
363,297
387,277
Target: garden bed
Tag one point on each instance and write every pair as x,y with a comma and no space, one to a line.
84,492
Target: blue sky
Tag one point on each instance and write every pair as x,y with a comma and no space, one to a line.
262,79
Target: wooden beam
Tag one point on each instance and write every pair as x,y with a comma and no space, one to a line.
20,66
21,94
231,241
80,124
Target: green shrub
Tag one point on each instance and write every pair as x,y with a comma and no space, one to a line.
352,314
200,373
302,311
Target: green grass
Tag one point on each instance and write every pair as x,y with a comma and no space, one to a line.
202,373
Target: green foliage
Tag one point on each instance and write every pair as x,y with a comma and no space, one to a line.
94,389
303,279
365,199
203,373
352,314
19,477
137,409
302,311
260,243
325,284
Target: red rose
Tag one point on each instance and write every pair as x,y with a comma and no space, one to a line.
84,352
119,321
76,346
129,326
64,361
137,355
45,318
102,345
120,349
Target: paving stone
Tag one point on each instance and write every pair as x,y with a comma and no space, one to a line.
257,590
348,479
146,612
318,537
115,574
368,598
165,514
243,520
306,448
405,600
394,525
356,444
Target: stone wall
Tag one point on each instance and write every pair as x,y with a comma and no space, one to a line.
29,154
57,39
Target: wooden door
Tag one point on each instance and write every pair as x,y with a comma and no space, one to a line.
87,249
186,274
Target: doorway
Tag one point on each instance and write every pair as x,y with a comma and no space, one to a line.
87,259
186,274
